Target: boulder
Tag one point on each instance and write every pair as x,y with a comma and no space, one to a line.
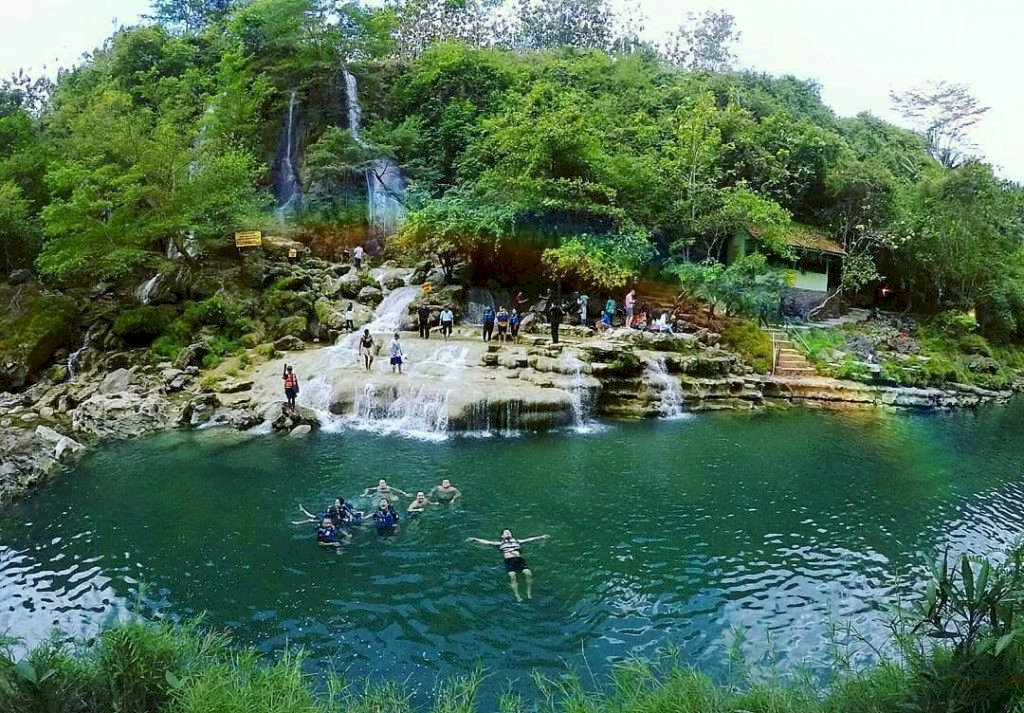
349,284
235,385
300,431
33,327
121,415
370,295
284,418
115,382
18,277
289,343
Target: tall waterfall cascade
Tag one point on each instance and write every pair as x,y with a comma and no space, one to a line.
581,396
385,185
287,188
670,392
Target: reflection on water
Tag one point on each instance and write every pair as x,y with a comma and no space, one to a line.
669,532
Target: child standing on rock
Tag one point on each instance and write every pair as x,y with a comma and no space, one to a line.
396,354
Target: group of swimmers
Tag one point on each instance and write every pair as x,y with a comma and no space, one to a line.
336,523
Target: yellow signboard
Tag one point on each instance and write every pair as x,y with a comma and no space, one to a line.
249,239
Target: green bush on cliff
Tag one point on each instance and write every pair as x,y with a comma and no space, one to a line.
144,323
751,343
33,326
224,323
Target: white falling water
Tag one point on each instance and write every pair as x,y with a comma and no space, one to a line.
409,409
670,392
144,292
388,317
580,394
286,184
75,356
446,362
385,184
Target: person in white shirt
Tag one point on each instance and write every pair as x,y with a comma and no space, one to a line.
349,316
629,303
396,354
582,302
447,321
357,256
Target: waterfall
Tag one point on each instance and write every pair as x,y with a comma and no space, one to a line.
447,363
286,183
385,184
75,356
670,392
480,298
411,409
580,394
387,318
144,292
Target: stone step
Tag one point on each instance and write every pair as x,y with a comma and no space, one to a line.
795,371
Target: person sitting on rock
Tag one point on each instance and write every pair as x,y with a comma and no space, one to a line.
291,386
603,324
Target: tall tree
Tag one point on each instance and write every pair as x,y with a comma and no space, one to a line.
545,24
704,42
943,113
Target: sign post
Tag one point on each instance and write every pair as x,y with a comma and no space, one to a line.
249,239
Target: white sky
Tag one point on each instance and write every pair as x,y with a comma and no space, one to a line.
858,51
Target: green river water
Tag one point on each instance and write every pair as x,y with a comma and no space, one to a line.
662,533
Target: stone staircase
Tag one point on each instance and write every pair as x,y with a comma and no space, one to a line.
851,316
791,362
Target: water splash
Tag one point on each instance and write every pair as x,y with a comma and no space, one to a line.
76,356
287,188
581,396
144,292
447,363
408,409
656,376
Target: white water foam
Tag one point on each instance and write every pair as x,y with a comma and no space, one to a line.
670,392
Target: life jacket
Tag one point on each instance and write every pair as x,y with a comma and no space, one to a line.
503,318
290,381
326,534
385,519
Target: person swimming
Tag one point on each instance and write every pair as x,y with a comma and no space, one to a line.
419,504
445,492
390,492
327,535
385,517
511,552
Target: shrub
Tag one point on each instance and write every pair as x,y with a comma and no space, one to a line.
143,323
753,344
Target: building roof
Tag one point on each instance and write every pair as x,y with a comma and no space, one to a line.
804,237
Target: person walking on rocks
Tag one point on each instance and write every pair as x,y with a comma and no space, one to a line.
447,321
349,317
291,386
581,301
514,322
423,314
555,314
366,348
396,354
357,257
609,307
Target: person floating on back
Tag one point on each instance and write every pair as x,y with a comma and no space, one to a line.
488,323
291,386
502,320
447,322
396,354
385,517
511,552
445,492
366,348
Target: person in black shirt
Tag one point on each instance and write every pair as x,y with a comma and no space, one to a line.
423,312
555,314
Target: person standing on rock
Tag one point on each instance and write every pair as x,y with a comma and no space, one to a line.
512,553
629,303
366,348
609,307
488,323
581,302
514,322
396,354
349,317
423,314
357,257
555,314
291,386
502,318
447,322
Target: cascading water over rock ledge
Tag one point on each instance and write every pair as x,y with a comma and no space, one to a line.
287,188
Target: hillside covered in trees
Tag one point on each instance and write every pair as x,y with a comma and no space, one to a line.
540,141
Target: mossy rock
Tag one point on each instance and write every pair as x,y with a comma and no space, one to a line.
33,327
139,326
296,325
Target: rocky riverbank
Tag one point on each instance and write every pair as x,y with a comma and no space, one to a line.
111,388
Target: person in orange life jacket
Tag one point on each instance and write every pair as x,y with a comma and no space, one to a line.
291,385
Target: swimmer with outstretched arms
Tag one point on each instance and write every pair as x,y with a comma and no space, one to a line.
341,514
386,490
511,551
445,492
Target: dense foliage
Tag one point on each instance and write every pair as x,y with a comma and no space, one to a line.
530,131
